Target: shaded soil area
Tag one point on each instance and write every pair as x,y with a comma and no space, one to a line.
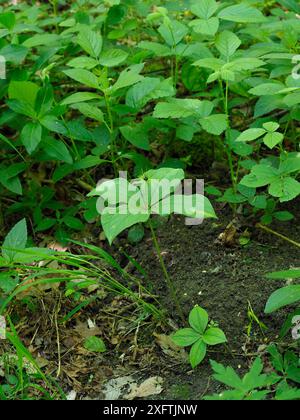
224,280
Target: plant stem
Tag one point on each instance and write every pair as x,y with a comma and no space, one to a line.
169,282
279,235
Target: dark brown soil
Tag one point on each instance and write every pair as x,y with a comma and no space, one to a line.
223,280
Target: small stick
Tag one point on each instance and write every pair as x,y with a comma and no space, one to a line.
279,235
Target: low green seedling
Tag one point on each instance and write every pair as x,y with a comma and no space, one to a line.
198,336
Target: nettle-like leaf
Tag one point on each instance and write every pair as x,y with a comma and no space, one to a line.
227,43
207,24
173,32
214,124
83,76
90,41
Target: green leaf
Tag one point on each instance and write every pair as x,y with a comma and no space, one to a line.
53,124
114,224
83,76
87,63
226,375
31,136
271,126
177,108
197,353
80,97
91,42
286,274
286,189
214,124
214,336
23,92
8,283
15,240
251,134
95,345
198,319
265,89
227,43
128,77
260,176
205,26
136,135
113,57
242,13
185,337
283,297
89,111
8,20
22,107
272,139
173,32
204,9
14,54
57,150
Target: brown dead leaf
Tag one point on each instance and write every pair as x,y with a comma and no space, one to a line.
169,348
151,386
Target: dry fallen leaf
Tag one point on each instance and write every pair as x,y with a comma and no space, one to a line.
151,386
169,348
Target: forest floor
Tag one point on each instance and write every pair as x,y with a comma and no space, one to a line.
223,279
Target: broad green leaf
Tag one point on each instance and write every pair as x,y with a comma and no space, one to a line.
159,50
53,124
14,54
210,63
89,111
204,9
80,97
15,240
227,43
128,77
112,57
214,124
136,135
227,376
173,32
23,92
271,126
177,108
42,39
21,107
251,134
272,139
84,77
242,13
214,336
198,319
114,224
57,150
197,353
31,136
283,297
8,20
265,89
286,189
87,63
91,42
260,176
185,337
206,26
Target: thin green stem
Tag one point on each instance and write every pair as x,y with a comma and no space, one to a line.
169,282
